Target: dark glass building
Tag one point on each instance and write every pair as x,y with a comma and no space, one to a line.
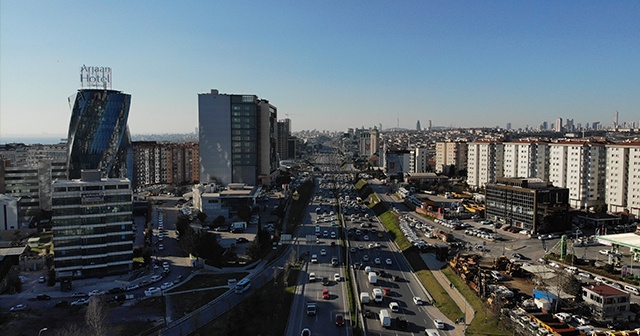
98,134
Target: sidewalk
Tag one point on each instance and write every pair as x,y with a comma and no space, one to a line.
435,266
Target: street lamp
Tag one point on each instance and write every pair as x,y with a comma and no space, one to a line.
41,330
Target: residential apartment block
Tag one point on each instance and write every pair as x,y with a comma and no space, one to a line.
607,304
165,163
581,167
485,162
92,226
526,158
623,177
451,155
419,160
368,142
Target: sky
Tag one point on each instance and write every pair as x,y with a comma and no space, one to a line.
326,65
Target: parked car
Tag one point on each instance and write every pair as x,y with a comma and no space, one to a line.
325,294
438,323
151,291
339,320
80,302
43,297
417,300
18,307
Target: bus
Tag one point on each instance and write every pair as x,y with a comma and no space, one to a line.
243,285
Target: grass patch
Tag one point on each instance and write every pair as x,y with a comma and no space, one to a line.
185,303
265,313
485,321
441,297
361,183
208,280
390,222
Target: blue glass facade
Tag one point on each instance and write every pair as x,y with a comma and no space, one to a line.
98,134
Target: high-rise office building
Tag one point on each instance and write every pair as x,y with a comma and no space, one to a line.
623,177
418,128
98,134
369,142
558,127
92,226
284,133
238,139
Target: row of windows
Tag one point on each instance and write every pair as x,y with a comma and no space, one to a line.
93,261
125,217
78,200
92,188
93,251
95,241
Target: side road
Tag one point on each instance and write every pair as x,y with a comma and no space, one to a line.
435,267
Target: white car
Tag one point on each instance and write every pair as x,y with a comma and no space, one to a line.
365,257
314,258
151,291
96,292
323,252
581,319
439,324
604,252
80,302
166,285
377,261
417,300
388,261
394,306
353,250
19,307
337,277
160,247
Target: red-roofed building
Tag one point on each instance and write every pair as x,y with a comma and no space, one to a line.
607,303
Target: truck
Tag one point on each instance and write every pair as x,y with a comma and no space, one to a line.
311,308
237,227
385,318
377,295
373,277
364,297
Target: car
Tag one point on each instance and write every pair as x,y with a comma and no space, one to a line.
323,252
325,281
160,247
377,261
151,291
365,257
96,292
604,252
166,285
388,261
325,294
339,320
394,306
386,291
42,279
518,256
417,300
564,317
241,240
325,234
305,332
314,258
360,247
398,278
366,237
439,324
79,294
581,319
19,307
132,287
155,278
333,235
43,297
312,277
377,245
80,302
336,277
353,250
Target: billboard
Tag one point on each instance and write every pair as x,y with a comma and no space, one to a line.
95,77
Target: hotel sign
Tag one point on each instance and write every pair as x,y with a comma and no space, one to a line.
95,77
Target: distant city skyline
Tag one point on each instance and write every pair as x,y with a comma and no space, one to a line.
457,64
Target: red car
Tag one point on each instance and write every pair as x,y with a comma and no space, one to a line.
339,320
325,294
387,291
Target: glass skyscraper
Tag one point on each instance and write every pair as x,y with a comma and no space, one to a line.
98,134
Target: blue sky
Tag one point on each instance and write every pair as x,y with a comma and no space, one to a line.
326,64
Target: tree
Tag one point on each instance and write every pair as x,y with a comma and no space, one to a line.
202,217
244,212
182,224
571,285
208,247
96,317
71,330
220,220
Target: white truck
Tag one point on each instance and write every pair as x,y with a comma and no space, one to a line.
385,318
311,308
365,298
377,295
373,277
237,227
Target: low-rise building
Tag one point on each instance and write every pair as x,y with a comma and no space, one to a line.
607,303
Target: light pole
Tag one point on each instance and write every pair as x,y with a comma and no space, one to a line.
41,330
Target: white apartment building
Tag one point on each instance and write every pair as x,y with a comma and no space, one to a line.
419,160
579,166
450,154
485,162
526,159
623,177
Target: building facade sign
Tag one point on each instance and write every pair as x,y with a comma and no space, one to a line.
95,77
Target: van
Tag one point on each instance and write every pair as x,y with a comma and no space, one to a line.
373,277
632,289
377,295
364,297
385,318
